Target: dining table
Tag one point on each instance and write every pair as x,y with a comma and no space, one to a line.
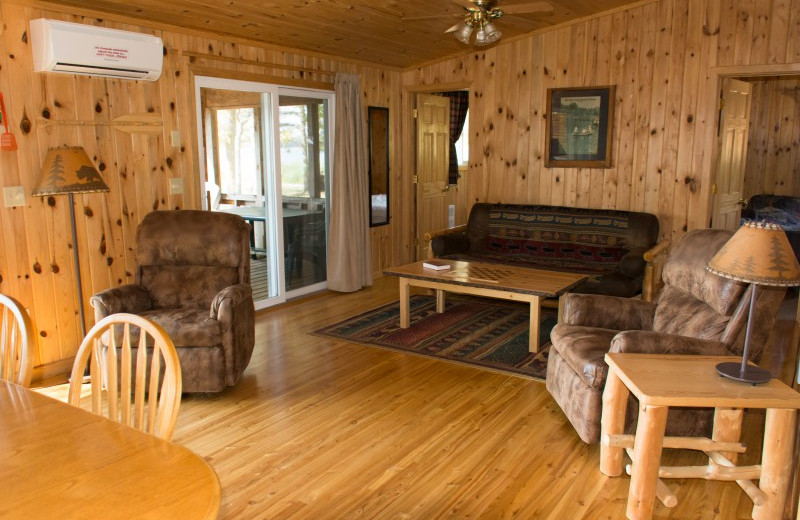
60,461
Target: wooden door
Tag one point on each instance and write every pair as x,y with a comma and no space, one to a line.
433,156
734,123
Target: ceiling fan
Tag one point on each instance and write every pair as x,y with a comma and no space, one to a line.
478,16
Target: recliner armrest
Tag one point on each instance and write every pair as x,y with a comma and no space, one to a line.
608,312
650,342
131,298
233,295
234,309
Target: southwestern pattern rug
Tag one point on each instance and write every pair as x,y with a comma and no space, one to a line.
486,333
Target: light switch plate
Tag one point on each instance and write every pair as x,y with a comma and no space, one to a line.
176,186
13,196
176,138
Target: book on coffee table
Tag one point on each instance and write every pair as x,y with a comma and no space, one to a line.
436,265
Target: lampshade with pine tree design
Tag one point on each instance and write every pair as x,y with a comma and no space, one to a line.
758,252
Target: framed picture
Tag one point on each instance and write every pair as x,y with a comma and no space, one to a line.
579,126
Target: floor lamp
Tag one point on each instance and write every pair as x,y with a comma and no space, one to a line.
67,171
759,254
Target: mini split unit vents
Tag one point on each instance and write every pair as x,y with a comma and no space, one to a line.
96,51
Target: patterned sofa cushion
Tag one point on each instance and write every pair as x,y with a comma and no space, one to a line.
606,245
572,239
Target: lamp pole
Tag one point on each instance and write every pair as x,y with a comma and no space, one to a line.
77,264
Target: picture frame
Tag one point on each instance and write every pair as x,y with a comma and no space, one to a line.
579,126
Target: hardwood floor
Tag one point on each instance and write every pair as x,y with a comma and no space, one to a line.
322,429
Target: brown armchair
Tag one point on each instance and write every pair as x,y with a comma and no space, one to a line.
193,279
696,313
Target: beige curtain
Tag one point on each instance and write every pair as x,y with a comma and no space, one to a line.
349,255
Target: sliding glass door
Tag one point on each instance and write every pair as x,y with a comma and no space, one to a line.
266,157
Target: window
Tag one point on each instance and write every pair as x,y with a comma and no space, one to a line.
462,145
239,150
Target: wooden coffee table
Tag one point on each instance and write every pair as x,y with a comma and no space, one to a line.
491,280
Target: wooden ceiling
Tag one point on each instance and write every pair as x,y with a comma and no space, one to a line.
399,33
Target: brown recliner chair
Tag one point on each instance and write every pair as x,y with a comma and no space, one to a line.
193,279
696,312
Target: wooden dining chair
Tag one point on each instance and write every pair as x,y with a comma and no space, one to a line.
16,342
135,376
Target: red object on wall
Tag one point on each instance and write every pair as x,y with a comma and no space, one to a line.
7,141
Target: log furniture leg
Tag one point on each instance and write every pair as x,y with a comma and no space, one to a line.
776,462
647,458
727,428
615,396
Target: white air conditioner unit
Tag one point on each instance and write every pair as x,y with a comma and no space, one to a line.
96,51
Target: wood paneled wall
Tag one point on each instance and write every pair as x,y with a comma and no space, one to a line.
660,55
773,152
36,259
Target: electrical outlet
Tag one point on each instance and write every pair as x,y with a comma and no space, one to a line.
13,196
176,138
176,186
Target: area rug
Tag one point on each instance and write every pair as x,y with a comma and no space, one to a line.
481,332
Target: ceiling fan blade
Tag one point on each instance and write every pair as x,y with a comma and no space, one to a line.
530,7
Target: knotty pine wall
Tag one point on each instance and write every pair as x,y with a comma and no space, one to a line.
659,55
36,258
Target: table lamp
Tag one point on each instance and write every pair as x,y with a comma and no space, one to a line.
759,254
67,171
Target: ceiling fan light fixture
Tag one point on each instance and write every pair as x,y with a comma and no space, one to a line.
480,37
490,33
479,20
463,33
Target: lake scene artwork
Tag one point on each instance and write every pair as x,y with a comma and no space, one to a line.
576,126
579,127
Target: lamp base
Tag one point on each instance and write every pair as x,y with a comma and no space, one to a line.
751,374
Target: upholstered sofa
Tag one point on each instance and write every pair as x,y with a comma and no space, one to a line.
611,247
193,279
696,312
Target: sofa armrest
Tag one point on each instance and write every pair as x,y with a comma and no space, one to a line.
233,307
652,270
447,241
649,342
449,231
131,298
608,312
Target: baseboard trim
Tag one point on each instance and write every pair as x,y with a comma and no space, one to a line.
55,372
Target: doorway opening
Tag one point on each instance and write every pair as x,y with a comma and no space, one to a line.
769,167
442,129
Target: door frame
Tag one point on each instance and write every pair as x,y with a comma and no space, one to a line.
710,160
271,168
409,156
